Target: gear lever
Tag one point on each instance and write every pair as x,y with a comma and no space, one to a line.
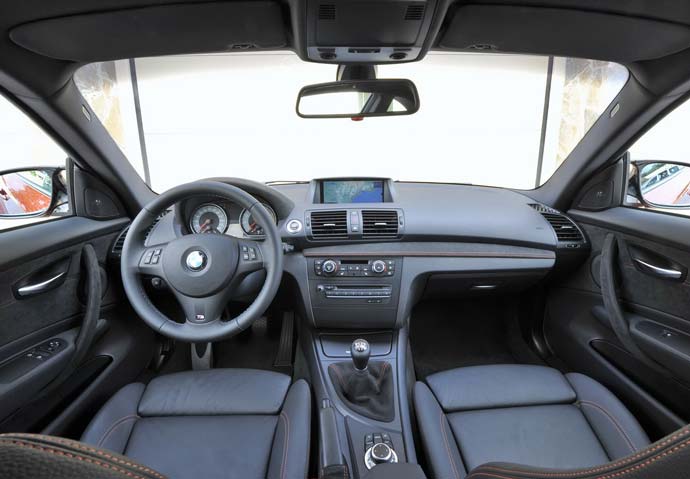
366,387
360,352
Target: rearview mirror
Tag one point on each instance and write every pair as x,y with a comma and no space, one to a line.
358,99
664,184
28,192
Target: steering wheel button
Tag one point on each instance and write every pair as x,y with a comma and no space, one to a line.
245,256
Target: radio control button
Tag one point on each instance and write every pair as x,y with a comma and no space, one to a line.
329,266
378,266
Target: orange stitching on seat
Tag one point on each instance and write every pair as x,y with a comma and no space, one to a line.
445,440
73,456
284,415
82,447
683,432
613,420
114,426
623,472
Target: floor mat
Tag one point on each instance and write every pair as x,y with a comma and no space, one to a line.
451,334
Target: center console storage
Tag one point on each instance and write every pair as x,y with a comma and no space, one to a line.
354,292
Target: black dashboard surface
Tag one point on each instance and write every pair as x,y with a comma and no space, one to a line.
432,213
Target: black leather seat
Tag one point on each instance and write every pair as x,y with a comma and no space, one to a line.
529,415
221,423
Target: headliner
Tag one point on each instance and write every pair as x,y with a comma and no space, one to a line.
60,45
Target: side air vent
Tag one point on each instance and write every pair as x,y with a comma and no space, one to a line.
116,250
379,224
566,230
415,12
326,11
329,224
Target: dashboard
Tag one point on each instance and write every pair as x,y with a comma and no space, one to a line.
363,251
348,211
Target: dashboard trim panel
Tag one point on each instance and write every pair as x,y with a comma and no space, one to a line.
431,254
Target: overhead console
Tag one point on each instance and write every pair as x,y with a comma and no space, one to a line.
366,31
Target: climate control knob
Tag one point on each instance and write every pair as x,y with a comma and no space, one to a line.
378,266
329,267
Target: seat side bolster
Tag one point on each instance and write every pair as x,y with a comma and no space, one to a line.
290,452
439,442
111,427
616,428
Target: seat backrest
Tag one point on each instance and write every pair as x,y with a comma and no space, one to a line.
34,456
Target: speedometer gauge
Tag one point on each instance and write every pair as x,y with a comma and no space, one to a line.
209,218
249,224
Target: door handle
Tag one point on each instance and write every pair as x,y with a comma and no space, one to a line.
665,273
37,288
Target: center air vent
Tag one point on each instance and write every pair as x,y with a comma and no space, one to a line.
379,224
329,224
415,12
566,230
326,11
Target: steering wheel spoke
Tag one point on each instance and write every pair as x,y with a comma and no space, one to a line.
151,260
202,310
251,257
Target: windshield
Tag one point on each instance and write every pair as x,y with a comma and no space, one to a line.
489,119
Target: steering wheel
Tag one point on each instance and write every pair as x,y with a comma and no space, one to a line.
202,270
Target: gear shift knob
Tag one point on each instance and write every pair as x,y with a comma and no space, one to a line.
360,352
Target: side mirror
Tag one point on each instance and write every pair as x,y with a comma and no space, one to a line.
357,99
31,192
662,184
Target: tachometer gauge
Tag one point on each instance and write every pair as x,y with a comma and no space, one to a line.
249,224
209,218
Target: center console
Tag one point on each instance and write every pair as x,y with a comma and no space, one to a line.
355,292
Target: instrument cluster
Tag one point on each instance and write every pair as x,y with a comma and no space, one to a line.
220,216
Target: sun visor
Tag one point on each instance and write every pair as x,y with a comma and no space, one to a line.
156,30
561,32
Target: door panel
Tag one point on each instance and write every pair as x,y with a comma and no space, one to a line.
38,330
21,316
656,309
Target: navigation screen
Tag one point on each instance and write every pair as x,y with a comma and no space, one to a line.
355,191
